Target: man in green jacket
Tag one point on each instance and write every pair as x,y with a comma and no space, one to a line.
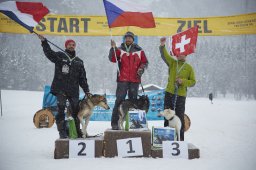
181,76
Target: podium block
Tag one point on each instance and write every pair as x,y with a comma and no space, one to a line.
62,147
193,152
111,136
107,145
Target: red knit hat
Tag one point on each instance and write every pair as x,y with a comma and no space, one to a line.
69,41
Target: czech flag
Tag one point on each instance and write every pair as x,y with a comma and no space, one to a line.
27,14
128,13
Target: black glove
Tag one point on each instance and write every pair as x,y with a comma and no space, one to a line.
88,94
140,72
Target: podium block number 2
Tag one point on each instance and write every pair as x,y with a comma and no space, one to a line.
81,152
81,149
129,147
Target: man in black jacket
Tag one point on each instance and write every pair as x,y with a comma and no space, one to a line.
69,74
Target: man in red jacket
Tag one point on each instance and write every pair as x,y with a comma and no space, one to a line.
131,62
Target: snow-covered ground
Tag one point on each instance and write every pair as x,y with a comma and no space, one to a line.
224,132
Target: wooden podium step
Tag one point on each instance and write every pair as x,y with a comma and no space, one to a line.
193,152
107,145
62,147
110,137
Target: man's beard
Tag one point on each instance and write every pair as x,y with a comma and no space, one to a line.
71,49
129,43
72,53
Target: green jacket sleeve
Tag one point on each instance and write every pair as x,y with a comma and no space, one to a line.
191,81
166,56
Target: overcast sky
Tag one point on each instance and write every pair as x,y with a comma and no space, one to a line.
160,8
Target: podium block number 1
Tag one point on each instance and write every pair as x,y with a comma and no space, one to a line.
129,147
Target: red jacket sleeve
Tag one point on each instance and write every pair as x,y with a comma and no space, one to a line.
112,56
144,60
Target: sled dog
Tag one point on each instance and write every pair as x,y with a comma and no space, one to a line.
174,120
86,107
141,103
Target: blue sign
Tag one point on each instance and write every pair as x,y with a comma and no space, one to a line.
156,98
160,134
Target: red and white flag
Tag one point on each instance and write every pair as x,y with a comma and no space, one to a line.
27,14
184,43
122,13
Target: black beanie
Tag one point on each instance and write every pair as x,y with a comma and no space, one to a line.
129,34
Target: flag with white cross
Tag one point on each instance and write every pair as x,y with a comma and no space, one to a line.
184,43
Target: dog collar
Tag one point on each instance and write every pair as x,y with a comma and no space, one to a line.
171,118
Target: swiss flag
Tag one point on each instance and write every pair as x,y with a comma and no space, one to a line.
184,43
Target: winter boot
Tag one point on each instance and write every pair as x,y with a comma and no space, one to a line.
78,130
61,126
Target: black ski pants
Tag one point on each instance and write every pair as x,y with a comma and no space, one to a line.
61,104
179,110
121,91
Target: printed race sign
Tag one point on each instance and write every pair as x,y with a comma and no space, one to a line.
81,148
129,147
175,149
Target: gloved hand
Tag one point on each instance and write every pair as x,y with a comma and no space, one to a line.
162,41
140,72
41,37
88,94
179,81
113,44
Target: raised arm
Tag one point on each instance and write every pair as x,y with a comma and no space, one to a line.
49,53
112,57
167,58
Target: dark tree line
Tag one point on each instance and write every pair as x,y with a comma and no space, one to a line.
223,65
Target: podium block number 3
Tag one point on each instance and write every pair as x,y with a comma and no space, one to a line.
175,149
81,149
129,147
